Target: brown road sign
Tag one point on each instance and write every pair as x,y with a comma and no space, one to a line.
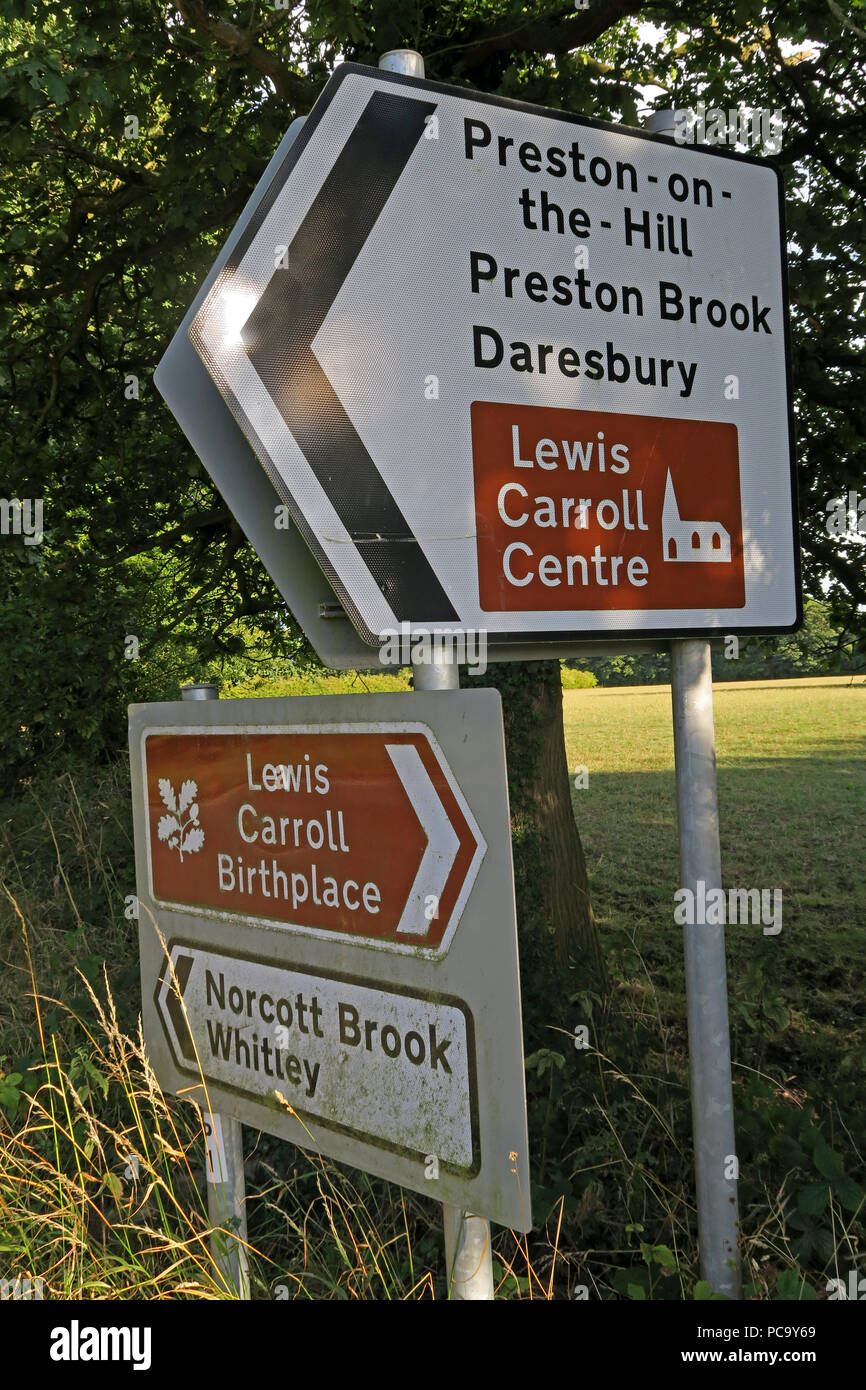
327,930
357,830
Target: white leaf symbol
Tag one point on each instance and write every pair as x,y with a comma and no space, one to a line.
186,836
193,841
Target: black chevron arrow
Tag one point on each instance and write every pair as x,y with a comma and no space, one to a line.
182,967
279,332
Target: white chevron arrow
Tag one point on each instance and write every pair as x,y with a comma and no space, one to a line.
443,841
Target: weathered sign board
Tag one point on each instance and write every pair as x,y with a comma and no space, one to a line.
516,371
332,881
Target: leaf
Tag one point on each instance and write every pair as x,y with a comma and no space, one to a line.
703,1291
193,841
8,1097
544,1060
55,88
187,794
95,1075
813,1199
791,1285
193,812
96,92
636,1292
167,826
114,1185
166,791
827,1161
850,1195
664,1258
825,1245
91,966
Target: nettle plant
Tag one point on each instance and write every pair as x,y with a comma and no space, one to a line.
184,835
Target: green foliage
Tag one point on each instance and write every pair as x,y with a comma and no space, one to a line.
10,1090
630,670
315,681
609,1124
820,648
577,680
108,238
704,1293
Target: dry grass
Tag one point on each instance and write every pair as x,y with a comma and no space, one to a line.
101,1180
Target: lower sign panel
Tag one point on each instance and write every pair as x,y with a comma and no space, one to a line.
327,931
383,1065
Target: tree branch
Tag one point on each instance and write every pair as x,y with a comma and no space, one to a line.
289,86
844,20
544,33
217,516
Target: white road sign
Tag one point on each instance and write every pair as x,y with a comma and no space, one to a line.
397,1068
516,371
327,930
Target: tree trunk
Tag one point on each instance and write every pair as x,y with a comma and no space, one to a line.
555,919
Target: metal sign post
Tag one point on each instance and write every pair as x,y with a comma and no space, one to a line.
224,1172
706,975
704,948
468,1253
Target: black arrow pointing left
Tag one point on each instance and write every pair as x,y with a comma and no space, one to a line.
279,332
177,981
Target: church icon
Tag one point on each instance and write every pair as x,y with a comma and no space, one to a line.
706,542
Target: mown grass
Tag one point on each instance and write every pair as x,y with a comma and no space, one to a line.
792,796
792,803
610,1124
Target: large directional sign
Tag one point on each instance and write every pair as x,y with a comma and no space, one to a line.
253,500
327,930
515,371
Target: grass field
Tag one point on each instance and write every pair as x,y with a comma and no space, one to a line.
791,761
611,1134
792,797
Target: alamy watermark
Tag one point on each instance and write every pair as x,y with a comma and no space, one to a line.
854,1289
742,125
713,907
20,1288
22,518
846,516
77,1343
418,646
